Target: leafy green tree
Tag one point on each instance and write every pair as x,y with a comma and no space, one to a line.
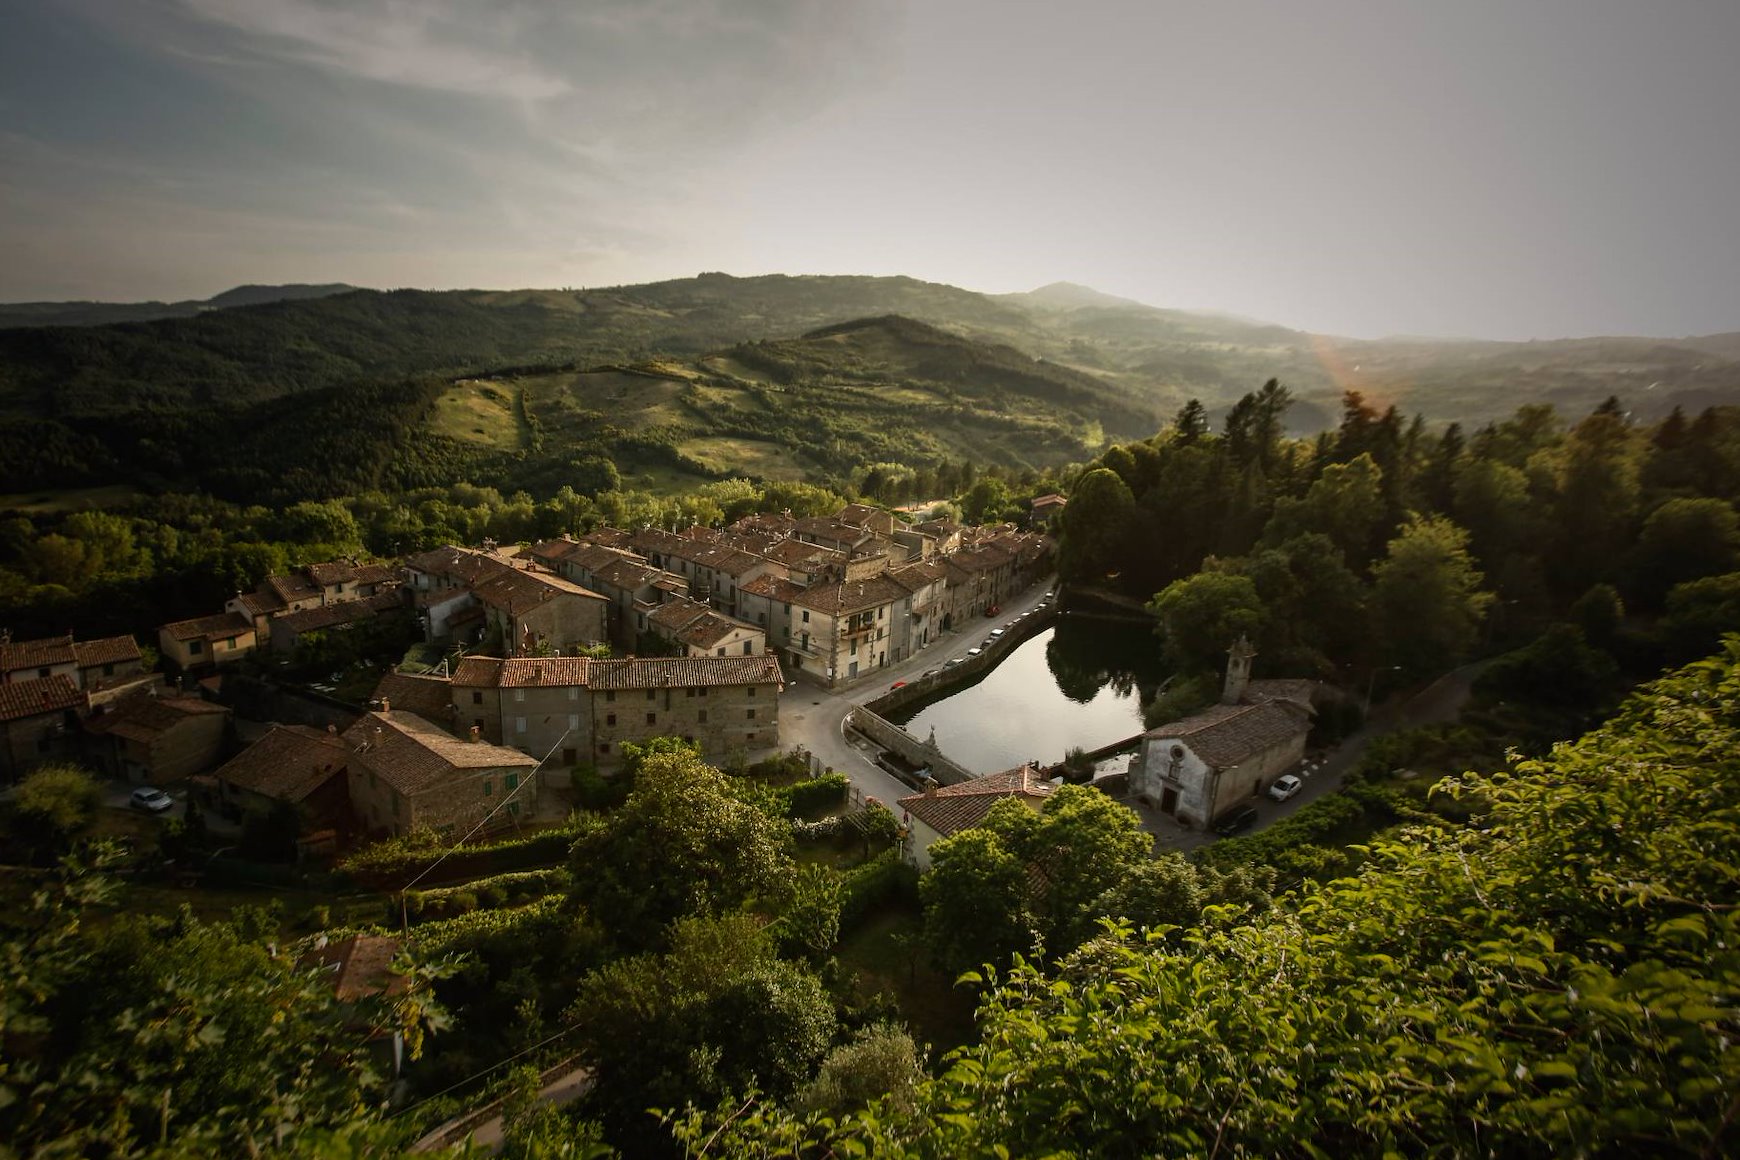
1427,596
1092,525
975,901
682,844
1686,539
1346,503
53,805
1200,618
880,1063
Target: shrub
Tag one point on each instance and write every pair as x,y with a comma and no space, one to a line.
817,795
885,879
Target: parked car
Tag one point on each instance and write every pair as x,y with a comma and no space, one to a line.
952,662
996,632
150,799
1285,787
931,672
972,652
1236,821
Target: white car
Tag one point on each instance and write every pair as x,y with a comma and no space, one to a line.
150,799
995,632
973,652
1285,787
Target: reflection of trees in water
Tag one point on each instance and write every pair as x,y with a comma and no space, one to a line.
1085,655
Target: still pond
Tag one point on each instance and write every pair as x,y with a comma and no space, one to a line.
1080,683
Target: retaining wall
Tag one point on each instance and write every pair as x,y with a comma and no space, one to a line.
897,740
943,680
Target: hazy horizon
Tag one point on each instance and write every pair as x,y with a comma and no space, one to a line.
1349,168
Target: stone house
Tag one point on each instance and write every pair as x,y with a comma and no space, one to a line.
294,765
841,631
1198,768
872,519
926,582
425,694
766,602
980,579
289,628
205,642
1045,509
156,739
701,632
944,811
38,722
532,610
313,586
405,773
586,709
89,663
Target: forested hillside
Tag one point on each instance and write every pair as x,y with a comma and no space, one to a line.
984,373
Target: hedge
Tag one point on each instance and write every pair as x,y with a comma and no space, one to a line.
386,865
817,795
484,894
884,879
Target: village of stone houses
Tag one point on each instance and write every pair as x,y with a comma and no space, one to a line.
541,673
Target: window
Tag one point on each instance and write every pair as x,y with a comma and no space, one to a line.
721,651
573,692
573,720
340,587
880,612
689,692
513,781
519,694
477,698
748,648
752,714
703,690
652,694
42,674
488,787
610,718
751,690
604,747
610,695
703,716
513,809
230,643
750,736
570,756
196,646
652,718
108,670
806,616
519,724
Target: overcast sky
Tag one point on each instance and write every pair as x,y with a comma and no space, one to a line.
1508,170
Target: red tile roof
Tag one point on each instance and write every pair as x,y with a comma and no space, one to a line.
848,596
413,755
1227,735
22,699
953,808
360,966
428,697
146,718
333,615
478,672
36,654
288,763
215,627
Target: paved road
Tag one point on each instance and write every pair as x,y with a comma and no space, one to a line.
812,716
487,1137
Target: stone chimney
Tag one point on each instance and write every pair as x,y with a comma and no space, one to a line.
386,706
1238,671
930,787
476,735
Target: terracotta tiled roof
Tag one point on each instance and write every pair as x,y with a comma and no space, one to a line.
360,966
429,697
376,574
914,576
849,596
478,672
292,588
774,588
1298,689
332,572
515,591
609,537
1051,500
146,718
36,654
544,672
558,549
110,650
629,575
831,529
55,694
215,627
413,755
953,808
263,602
333,615
808,557
659,672
708,630
288,763
1227,735
675,615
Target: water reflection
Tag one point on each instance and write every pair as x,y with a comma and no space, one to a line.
1082,683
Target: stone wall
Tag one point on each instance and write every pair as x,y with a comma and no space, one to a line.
943,681
893,738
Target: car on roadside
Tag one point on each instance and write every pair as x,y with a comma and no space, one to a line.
1236,821
953,661
930,673
996,632
972,652
1285,787
150,799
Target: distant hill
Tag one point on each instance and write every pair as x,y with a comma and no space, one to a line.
774,375
17,314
